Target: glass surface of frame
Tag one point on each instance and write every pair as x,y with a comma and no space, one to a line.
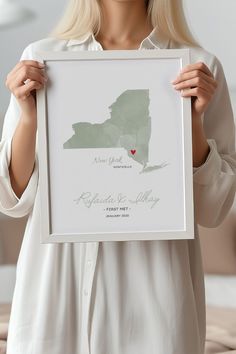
114,147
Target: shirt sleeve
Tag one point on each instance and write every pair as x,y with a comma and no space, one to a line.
214,182
10,204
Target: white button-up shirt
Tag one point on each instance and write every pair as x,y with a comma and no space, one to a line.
126,297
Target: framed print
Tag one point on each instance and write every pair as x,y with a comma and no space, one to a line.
114,147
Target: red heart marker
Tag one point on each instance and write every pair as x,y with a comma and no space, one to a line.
133,152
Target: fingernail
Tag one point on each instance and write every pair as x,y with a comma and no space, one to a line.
176,81
41,65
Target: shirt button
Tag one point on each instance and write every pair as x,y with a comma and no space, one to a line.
89,263
85,292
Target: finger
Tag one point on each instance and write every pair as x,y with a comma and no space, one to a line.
196,82
24,91
23,74
22,63
26,73
197,66
30,73
20,81
193,74
198,92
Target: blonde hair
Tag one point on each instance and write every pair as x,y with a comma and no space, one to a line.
84,16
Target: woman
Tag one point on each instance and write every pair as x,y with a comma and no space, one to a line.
115,297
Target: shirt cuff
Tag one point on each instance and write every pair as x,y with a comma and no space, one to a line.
10,204
211,168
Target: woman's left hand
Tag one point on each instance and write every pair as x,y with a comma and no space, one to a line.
196,81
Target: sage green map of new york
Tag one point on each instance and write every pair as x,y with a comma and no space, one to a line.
128,127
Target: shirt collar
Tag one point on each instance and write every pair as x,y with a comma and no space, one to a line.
152,41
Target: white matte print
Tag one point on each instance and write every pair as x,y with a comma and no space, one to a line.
114,147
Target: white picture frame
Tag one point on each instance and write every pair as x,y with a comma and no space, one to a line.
114,147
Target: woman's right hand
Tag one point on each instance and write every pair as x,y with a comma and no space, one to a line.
23,81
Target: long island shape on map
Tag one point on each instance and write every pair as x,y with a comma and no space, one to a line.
128,127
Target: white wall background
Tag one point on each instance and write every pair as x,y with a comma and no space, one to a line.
213,24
